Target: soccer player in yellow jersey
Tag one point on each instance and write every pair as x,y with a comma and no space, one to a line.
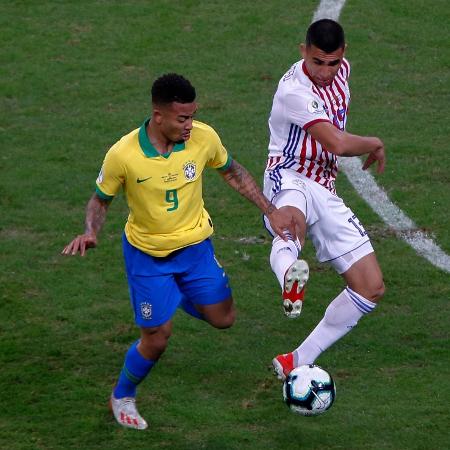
169,257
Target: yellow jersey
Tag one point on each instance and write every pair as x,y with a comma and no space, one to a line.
163,191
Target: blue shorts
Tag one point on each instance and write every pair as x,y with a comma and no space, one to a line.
158,285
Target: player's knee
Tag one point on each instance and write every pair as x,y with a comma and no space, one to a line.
372,290
230,318
223,321
376,290
156,346
379,290
155,341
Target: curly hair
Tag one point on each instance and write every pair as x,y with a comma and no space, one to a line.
172,87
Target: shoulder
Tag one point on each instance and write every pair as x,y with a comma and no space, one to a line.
303,81
203,127
204,131
128,140
300,94
125,146
295,85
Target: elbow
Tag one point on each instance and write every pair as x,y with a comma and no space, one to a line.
337,146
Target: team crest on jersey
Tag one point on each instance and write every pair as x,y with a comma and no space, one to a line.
146,310
314,107
190,170
100,176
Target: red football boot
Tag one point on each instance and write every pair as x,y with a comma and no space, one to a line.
283,365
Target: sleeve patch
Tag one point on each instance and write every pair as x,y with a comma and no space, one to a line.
314,107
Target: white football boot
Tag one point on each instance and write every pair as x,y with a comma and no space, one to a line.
294,288
126,413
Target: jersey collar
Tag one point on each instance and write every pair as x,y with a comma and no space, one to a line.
305,71
148,148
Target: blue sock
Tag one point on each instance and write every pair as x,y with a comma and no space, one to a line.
135,369
189,308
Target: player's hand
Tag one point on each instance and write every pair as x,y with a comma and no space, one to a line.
280,221
377,155
80,244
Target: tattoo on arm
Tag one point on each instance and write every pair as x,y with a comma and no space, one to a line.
95,214
240,179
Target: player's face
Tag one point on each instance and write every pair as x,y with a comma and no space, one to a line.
322,67
175,120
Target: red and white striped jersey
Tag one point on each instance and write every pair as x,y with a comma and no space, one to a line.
298,103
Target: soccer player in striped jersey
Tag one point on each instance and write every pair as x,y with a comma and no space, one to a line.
169,258
307,135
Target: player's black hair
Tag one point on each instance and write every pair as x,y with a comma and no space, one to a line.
172,87
325,34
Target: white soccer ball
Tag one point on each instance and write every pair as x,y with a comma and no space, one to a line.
309,390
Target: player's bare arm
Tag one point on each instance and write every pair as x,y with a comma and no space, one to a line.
342,143
95,218
240,179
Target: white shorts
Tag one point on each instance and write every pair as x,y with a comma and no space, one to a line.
336,233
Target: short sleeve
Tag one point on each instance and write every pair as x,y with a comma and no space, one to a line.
220,159
111,176
305,109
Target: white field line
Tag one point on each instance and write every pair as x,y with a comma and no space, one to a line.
329,9
392,215
375,196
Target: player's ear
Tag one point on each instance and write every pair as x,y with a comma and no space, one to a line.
302,48
345,48
157,115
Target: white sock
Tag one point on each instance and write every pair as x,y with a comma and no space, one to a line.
282,255
340,317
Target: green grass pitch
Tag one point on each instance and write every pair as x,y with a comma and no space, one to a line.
75,77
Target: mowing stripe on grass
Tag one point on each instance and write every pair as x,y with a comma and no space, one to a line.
374,195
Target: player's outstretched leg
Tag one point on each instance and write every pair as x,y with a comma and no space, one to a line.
126,413
341,316
295,279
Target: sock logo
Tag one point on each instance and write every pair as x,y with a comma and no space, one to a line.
284,249
146,310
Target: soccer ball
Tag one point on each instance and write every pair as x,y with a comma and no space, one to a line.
309,390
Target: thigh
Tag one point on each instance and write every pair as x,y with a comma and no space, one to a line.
337,230
219,315
204,282
154,292
154,299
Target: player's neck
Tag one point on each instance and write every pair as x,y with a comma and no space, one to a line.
157,139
